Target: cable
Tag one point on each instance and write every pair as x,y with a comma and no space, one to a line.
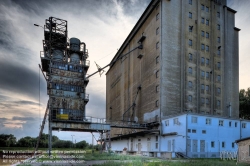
39,97
105,56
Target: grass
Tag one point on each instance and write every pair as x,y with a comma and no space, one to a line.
128,160
175,163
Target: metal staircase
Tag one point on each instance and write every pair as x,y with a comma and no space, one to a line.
42,127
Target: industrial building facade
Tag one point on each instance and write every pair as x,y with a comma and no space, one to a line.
189,64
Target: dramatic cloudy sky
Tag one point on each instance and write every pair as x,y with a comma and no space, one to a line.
101,24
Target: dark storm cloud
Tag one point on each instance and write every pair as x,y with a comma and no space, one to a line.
131,7
19,79
22,118
26,102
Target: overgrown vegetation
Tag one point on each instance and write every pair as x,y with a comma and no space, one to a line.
204,162
244,98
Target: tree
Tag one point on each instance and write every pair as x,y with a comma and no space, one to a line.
244,99
82,145
7,140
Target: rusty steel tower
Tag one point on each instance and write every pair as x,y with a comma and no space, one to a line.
64,61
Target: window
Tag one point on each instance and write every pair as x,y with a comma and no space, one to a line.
190,57
207,88
208,121
218,52
157,45
218,103
189,130
218,14
202,7
190,15
202,20
207,62
194,119
156,138
190,70
207,75
202,88
232,144
190,28
235,124
202,33
218,91
218,78
207,48
203,131
207,35
157,59
176,121
244,125
193,131
190,43
218,65
157,74
218,39
207,22
167,122
190,84
223,144
202,74
157,88
156,145
207,9
148,139
157,16
202,47
218,26
139,139
202,100
190,2
157,103
212,144
221,122
157,31
202,60
230,124
207,101
190,98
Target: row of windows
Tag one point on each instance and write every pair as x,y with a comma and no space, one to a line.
175,122
223,144
190,98
203,33
190,85
203,47
203,7
194,131
218,78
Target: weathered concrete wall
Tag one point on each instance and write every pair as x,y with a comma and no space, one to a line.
126,75
173,51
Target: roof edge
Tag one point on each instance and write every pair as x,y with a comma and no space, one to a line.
135,29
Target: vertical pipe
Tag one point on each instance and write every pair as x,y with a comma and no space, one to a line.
50,132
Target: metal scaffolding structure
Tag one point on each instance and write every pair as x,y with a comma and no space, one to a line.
64,66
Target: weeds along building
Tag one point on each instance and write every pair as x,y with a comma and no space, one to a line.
189,64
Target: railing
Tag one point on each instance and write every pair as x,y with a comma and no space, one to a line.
94,120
